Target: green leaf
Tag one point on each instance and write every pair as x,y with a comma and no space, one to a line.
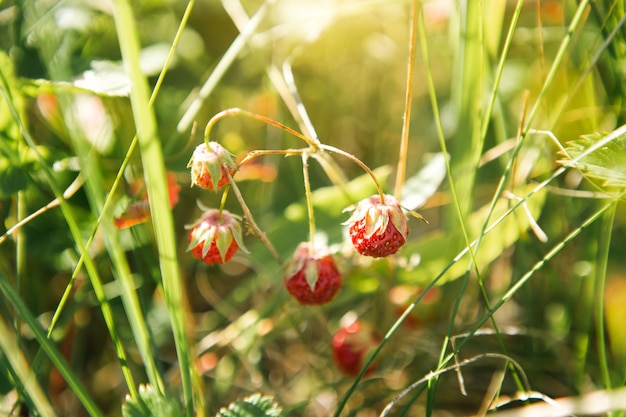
255,405
607,164
150,404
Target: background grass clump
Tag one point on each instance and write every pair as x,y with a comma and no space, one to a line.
511,296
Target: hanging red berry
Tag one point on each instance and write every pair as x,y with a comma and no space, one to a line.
215,237
312,277
209,164
378,229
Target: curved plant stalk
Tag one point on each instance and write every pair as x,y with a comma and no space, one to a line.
315,147
236,111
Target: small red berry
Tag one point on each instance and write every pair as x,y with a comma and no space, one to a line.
215,237
208,166
378,229
312,276
351,345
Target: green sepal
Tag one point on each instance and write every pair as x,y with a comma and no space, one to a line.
223,241
311,273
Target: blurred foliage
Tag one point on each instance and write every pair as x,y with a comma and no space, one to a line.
348,60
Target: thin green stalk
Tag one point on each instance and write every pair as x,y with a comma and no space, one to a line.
156,183
309,202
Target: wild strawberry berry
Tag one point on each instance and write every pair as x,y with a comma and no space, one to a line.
312,276
378,229
209,164
215,237
351,346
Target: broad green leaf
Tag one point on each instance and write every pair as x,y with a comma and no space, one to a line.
255,405
438,250
607,164
150,404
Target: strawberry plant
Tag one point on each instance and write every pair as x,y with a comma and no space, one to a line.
210,209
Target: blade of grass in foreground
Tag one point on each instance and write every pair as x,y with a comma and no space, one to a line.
19,368
55,357
155,175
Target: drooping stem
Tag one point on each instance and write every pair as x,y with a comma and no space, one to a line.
404,142
359,163
253,154
309,202
236,111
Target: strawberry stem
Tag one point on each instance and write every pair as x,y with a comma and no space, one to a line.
253,154
309,203
404,142
223,202
359,163
235,111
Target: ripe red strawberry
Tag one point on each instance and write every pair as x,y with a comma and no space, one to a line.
351,346
312,276
215,237
208,166
378,229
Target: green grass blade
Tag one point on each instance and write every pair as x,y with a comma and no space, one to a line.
55,357
12,354
155,174
601,263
